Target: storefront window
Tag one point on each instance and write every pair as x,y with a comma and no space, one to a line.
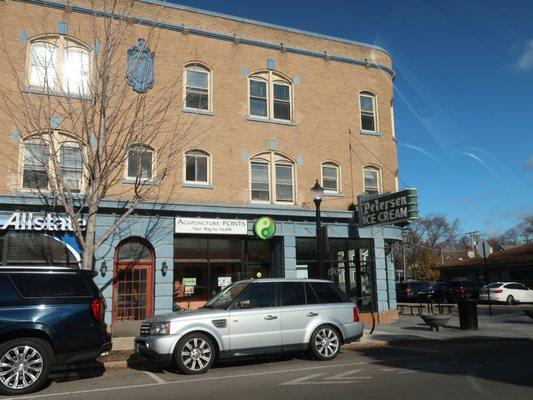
205,265
347,262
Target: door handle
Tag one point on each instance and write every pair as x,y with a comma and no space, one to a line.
312,314
270,317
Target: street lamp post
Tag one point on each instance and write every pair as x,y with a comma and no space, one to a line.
318,194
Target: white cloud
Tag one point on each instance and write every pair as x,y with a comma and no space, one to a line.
525,62
528,165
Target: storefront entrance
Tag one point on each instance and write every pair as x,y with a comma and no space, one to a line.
204,265
132,286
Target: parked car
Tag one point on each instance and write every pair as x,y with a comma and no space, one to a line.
253,317
434,293
507,292
49,316
408,291
456,290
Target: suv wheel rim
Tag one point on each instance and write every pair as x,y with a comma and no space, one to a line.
327,342
196,354
20,367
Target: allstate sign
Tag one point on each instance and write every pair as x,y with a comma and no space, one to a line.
27,221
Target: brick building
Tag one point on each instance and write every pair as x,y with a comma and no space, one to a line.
274,109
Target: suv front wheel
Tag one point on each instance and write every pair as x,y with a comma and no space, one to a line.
195,353
25,364
325,343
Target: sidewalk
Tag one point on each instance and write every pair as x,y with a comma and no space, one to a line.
504,325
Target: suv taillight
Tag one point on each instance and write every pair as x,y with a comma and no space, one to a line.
355,314
97,309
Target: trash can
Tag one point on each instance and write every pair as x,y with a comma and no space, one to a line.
467,309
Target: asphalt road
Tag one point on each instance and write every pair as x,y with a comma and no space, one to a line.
488,370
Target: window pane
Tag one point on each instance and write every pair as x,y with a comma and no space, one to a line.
284,173
258,89
260,295
201,169
292,294
259,172
330,184
140,163
43,70
258,107
367,122
282,92
51,285
197,79
133,251
71,167
190,168
284,190
371,178
146,164
197,99
282,110
326,293
36,162
367,104
329,177
76,70
310,294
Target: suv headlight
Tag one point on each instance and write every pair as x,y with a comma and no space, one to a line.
160,328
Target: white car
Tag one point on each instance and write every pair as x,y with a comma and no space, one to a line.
507,292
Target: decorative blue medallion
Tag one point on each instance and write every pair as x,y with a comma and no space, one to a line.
140,73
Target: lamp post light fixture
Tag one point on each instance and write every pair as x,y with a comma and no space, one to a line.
164,268
103,269
318,195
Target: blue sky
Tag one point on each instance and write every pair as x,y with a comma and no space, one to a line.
464,93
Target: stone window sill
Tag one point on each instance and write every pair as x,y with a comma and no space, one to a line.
370,133
196,185
36,90
271,121
196,111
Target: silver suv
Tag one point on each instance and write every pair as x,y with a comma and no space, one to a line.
250,318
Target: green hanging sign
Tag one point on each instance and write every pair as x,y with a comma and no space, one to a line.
265,228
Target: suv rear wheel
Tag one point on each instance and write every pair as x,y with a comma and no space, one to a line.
195,353
25,364
325,343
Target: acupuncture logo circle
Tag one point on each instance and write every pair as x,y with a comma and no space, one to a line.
265,228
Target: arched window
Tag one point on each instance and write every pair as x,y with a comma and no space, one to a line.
367,103
197,167
270,96
272,178
140,162
197,87
59,64
331,177
39,168
372,179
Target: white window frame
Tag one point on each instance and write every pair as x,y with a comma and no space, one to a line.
62,44
271,78
271,159
379,178
208,156
372,96
134,178
198,67
55,140
331,164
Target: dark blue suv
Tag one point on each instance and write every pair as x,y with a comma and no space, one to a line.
49,316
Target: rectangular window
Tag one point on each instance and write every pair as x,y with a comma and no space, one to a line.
42,65
196,167
282,102
292,294
197,90
76,71
260,182
328,293
367,113
36,161
371,181
71,167
330,178
284,190
47,285
260,295
258,98
140,163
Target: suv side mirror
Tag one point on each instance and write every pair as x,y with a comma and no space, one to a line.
243,304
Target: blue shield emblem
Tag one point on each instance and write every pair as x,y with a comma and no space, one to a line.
140,73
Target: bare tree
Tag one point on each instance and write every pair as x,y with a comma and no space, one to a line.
76,144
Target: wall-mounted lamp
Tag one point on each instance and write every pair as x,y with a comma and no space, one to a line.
103,269
164,268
